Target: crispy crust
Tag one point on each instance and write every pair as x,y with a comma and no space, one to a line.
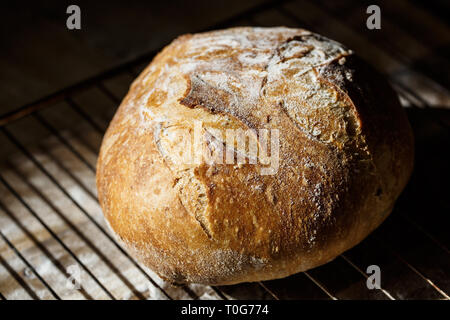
346,153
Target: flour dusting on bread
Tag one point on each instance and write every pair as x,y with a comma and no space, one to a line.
342,138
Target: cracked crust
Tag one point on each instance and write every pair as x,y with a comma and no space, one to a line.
346,153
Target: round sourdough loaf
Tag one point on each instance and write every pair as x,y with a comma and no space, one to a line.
344,154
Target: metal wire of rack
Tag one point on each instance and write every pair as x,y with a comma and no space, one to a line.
50,216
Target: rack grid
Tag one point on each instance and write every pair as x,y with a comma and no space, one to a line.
52,228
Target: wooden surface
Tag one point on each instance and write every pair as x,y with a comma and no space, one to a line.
49,213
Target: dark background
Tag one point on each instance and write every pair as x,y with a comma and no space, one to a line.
39,55
41,58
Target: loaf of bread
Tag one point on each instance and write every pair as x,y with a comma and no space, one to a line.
194,203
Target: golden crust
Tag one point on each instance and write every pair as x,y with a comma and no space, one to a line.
346,153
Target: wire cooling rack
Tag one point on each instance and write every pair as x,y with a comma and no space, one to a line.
53,236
